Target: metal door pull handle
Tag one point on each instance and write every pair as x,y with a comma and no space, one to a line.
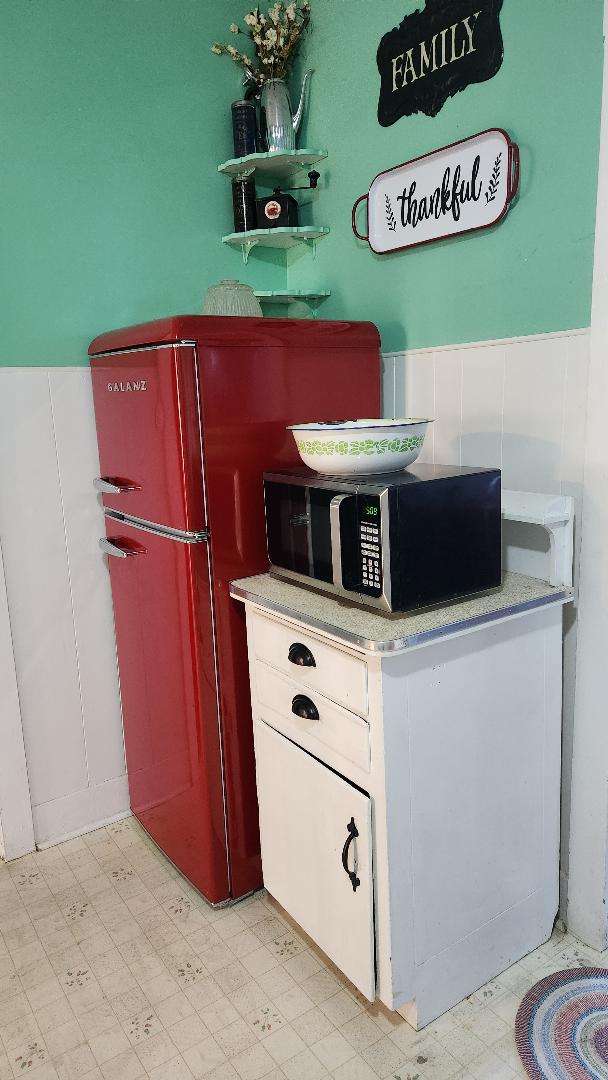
353,832
109,487
301,655
305,708
110,548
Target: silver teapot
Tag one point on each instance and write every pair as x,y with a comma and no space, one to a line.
279,124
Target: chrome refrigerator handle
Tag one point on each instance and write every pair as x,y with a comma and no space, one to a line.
118,552
100,483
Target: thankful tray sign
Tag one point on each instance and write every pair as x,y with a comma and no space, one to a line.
468,185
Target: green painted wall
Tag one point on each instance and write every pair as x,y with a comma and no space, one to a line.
530,274
114,114
113,117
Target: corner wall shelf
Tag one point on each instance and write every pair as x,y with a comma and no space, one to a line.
275,238
310,298
278,164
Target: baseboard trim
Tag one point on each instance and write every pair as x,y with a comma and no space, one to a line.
83,831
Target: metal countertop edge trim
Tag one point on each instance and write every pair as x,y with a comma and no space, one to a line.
401,644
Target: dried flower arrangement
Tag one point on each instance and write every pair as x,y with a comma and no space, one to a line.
275,36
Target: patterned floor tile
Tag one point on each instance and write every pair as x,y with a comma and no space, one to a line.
112,967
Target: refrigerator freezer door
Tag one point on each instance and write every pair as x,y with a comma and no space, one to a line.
164,632
148,431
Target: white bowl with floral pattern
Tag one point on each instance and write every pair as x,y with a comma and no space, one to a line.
359,447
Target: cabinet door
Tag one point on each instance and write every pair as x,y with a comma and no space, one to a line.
305,813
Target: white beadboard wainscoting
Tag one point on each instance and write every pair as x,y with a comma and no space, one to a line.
518,404
59,603
16,823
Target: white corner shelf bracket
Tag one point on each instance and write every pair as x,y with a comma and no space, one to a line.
555,513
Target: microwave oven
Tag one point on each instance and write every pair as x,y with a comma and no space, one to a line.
396,541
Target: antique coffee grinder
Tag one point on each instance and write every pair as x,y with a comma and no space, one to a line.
280,210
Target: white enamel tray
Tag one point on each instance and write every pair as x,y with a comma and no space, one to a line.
468,185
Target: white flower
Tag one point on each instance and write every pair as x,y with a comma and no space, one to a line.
262,20
257,39
234,28
271,35
290,11
231,49
216,49
250,19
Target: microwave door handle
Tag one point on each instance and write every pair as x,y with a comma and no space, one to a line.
336,538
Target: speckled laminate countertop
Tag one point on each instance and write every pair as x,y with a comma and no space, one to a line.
376,632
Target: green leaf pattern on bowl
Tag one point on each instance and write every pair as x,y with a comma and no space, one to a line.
369,447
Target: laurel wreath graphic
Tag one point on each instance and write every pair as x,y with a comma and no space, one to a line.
494,180
390,217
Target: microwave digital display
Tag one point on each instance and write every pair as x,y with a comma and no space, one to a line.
370,547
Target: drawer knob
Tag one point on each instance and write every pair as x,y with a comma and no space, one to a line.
304,707
353,832
301,655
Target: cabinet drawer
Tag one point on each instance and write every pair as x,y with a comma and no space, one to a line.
310,661
328,725
316,838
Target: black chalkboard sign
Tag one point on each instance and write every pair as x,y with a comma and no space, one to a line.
436,52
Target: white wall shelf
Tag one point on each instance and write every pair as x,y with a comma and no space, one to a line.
311,299
555,513
281,238
276,164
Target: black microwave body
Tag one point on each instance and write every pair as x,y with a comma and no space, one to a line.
395,541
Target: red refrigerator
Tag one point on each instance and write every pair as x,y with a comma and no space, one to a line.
190,411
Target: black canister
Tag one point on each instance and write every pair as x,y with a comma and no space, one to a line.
243,127
243,203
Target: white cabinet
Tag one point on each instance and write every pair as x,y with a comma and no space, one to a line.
318,725
316,664
451,779
318,852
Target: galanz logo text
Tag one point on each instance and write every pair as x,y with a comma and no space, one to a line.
124,387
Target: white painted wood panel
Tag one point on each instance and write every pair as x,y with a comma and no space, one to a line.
415,389
448,406
523,408
484,823
588,886
38,588
81,812
305,809
16,825
74,423
337,674
483,376
535,383
334,729
59,601
517,404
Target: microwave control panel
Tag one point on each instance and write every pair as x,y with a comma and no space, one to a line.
370,544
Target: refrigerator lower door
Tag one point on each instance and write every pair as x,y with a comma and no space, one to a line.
166,655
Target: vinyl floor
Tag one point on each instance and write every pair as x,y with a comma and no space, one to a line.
113,968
